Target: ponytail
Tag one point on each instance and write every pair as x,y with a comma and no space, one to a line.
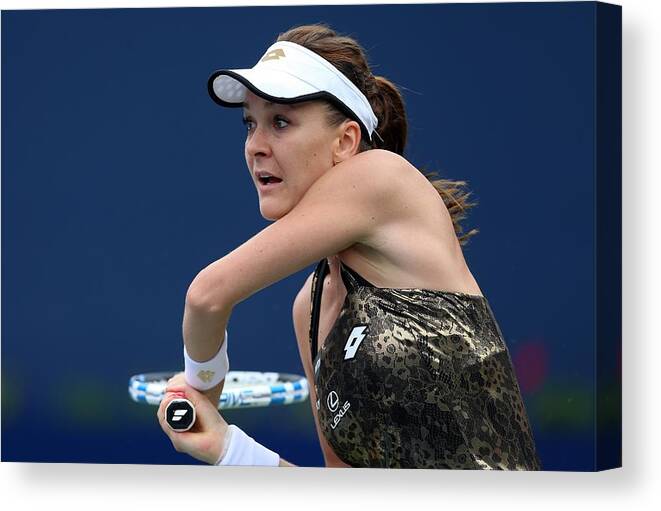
387,102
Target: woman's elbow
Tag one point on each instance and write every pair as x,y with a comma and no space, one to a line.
205,294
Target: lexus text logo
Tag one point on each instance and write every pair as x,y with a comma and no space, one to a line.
332,401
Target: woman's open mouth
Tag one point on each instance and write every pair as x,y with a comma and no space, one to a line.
267,182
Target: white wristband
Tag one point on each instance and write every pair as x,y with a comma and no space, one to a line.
242,450
206,375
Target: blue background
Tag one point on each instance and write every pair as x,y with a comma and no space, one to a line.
121,179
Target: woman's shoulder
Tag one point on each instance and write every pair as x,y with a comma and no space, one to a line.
374,184
377,171
377,160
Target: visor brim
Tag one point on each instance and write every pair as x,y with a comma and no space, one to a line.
228,87
271,85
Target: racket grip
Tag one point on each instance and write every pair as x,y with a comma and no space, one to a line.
180,414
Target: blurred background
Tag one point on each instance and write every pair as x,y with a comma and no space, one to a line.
121,179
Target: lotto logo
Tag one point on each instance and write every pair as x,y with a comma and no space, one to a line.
353,342
276,54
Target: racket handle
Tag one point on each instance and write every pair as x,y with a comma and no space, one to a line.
180,414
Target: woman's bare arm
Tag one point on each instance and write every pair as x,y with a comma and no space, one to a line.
342,207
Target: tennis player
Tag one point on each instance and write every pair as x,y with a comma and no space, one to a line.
406,364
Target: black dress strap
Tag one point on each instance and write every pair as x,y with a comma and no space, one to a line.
317,288
351,280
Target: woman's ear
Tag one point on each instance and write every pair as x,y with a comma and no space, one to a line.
348,141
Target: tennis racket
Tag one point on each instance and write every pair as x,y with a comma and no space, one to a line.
243,389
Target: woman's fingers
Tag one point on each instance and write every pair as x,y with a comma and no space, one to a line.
169,396
177,379
205,440
207,415
206,412
178,384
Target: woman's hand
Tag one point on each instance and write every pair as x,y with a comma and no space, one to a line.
205,440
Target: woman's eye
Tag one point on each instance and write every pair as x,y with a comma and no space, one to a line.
248,124
280,122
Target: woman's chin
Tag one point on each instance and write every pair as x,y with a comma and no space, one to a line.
271,213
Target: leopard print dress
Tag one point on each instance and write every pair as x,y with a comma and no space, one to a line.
417,378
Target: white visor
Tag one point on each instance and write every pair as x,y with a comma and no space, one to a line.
290,73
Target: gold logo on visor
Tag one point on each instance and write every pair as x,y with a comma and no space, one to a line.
205,376
276,54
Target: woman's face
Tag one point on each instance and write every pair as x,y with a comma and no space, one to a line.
292,143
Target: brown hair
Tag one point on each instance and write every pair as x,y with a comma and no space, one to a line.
346,54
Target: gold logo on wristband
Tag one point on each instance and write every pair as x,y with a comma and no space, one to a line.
206,376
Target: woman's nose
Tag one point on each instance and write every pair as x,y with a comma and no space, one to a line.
257,143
